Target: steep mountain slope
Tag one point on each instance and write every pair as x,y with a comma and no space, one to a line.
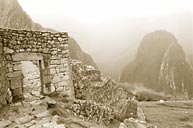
161,64
77,53
13,16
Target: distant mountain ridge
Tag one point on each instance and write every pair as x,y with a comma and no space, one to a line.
161,64
13,16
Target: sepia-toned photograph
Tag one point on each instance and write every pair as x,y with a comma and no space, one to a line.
96,64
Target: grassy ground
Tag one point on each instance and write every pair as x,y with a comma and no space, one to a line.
170,114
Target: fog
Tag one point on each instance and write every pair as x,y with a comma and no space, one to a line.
111,30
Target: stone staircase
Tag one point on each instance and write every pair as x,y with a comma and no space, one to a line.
32,113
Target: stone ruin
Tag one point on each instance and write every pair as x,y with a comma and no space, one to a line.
49,49
50,52
90,84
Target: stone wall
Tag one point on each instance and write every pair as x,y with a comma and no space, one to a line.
90,84
109,93
93,111
50,49
3,81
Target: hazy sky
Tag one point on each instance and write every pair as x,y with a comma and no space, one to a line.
86,14
105,28
94,11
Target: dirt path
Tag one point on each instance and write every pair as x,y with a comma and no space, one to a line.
141,123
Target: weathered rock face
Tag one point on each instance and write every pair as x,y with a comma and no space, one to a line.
160,64
13,16
77,53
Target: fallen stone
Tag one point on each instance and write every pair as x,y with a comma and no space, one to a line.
43,114
55,118
5,123
161,101
12,118
44,120
122,125
49,125
23,120
36,126
35,102
24,110
49,101
36,93
59,126
31,123
18,126
38,109
26,105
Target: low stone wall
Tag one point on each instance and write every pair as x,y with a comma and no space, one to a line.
93,111
109,93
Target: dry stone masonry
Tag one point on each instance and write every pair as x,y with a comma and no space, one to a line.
91,84
51,52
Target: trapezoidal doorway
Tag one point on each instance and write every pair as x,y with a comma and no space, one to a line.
28,68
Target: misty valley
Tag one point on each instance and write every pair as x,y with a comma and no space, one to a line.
111,71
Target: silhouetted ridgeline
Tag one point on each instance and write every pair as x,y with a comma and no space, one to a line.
161,64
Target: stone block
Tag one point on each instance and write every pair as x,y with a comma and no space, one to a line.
60,39
16,82
22,50
65,78
52,70
60,89
62,69
53,66
27,56
53,62
34,50
56,79
64,61
8,50
51,42
17,67
54,57
54,52
17,92
23,120
28,49
5,123
14,74
45,50
49,125
61,74
43,114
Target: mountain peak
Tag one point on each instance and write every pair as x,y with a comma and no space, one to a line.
160,64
